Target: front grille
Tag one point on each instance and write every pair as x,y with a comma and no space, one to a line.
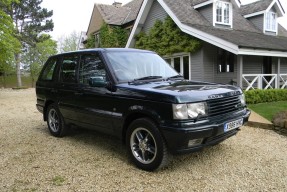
224,105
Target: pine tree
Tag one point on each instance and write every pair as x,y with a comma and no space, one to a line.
30,20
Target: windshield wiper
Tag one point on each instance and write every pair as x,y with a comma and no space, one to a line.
175,77
148,78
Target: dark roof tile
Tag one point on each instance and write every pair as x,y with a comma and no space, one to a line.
248,39
120,15
255,7
196,2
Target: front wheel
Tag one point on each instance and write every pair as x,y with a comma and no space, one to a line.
145,145
55,122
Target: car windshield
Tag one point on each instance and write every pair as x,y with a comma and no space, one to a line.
130,66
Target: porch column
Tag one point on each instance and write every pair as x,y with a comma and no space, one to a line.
239,70
278,73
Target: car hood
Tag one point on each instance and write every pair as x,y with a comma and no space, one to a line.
182,91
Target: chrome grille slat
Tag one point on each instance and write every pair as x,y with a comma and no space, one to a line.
223,105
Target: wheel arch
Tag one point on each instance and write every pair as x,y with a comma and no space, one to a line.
47,103
137,115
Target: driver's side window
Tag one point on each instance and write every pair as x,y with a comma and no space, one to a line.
92,71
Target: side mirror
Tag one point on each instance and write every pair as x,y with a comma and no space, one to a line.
97,81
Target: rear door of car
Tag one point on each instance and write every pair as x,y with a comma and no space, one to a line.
68,87
45,86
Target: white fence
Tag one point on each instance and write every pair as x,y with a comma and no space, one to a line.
264,81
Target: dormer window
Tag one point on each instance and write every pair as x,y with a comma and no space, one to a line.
271,22
223,13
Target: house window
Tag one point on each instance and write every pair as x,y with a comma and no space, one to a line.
223,13
180,64
271,22
97,40
225,61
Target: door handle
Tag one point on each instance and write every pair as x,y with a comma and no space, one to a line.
54,91
78,93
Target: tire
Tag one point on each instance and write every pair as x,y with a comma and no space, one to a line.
55,121
145,145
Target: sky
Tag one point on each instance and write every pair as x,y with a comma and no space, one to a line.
74,15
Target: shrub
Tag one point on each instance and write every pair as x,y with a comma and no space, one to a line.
264,96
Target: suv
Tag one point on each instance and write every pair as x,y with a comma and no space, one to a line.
136,96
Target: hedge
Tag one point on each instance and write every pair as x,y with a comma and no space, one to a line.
264,96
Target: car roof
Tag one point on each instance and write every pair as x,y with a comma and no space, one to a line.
105,50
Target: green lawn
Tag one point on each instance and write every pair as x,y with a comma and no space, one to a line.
268,110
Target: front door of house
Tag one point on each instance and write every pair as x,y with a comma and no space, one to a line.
267,69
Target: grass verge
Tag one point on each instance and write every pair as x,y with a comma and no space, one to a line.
268,110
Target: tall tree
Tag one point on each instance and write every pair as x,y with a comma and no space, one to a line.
9,45
37,55
69,43
30,20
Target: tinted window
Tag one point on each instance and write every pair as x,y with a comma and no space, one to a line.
68,69
48,72
91,68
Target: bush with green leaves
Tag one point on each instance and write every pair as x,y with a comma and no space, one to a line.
265,96
110,36
166,38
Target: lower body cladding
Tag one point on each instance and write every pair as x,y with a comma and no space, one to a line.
200,135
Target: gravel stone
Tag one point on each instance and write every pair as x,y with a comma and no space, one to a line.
33,160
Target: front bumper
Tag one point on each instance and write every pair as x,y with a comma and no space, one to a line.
40,108
211,132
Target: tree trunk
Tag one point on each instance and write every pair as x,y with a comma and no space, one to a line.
4,76
33,82
18,69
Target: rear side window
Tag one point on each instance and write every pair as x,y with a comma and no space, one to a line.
68,69
49,69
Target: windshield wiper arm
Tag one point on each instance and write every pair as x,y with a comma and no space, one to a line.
148,78
175,77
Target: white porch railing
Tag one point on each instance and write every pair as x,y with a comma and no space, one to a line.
264,81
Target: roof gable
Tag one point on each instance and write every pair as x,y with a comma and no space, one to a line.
95,21
261,6
113,15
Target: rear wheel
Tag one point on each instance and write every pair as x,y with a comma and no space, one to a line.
55,122
145,145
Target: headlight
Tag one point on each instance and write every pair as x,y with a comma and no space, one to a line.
242,100
193,110
196,109
179,111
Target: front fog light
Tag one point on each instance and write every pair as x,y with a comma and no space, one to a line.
194,142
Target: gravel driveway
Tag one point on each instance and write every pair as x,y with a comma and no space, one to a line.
32,160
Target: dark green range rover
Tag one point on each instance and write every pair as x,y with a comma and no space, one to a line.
136,96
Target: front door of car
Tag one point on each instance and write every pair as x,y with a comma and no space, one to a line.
95,101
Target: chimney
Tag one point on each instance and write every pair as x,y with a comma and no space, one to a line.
117,4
